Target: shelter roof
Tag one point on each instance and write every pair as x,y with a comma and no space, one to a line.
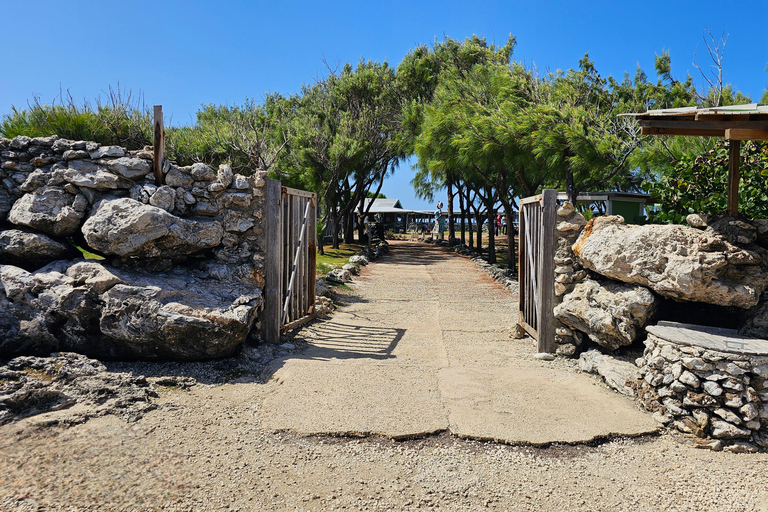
383,205
732,122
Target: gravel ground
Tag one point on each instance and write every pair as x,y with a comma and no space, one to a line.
202,448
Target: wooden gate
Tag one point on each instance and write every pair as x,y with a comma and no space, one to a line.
538,215
289,273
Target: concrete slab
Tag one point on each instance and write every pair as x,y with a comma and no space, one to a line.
406,359
354,398
522,406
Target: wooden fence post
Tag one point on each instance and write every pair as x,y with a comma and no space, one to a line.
270,323
546,284
159,146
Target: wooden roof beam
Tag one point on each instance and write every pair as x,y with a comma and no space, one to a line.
657,130
745,134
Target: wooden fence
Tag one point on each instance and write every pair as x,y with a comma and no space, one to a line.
538,215
289,291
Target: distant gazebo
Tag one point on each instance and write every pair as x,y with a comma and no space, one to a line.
734,123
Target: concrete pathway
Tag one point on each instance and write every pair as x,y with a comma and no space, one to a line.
424,346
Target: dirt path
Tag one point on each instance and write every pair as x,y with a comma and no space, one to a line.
212,447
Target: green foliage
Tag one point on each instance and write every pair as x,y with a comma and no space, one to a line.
698,184
120,120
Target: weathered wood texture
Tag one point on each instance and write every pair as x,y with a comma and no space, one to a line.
734,147
159,145
536,257
291,241
273,271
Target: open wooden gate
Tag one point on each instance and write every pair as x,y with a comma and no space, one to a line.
538,215
289,291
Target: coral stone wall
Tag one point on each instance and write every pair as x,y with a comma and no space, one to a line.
721,397
183,260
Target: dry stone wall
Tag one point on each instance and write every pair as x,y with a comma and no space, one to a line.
183,263
720,397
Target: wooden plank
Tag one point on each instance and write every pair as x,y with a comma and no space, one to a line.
734,147
270,322
299,193
298,323
546,317
286,268
529,200
744,134
704,124
681,131
312,250
159,146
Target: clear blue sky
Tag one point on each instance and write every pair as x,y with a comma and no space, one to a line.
183,54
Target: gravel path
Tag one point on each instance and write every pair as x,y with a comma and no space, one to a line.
204,448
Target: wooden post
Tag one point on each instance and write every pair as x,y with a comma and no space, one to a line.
159,146
270,323
312,252
733,176
546,284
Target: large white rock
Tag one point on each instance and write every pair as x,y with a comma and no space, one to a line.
93,309
48,209
612,314
126,227
679,262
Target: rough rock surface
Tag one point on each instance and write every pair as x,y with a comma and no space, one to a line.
616,373
678,262
756,323
117,313
339,275
31,250
358,259
33,385
611,314
126,227
49,209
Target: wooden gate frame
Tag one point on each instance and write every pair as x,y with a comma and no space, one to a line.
290,259
536,268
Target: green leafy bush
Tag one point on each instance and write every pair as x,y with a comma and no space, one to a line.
700,185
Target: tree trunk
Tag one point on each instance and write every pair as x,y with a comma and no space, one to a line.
461,209
479,220
570,186
491,229
511,253
451,222
349,228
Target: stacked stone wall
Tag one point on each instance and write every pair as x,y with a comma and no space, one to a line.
720,397
183,260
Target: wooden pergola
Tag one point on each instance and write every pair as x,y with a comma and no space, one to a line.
734,123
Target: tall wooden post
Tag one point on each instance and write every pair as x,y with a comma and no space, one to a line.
159,146
546,284
734,147
270,323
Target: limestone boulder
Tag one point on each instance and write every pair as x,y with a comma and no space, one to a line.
178,317
358,259
339,275
49,209
612,314
125,227
678,262
103,312
32,250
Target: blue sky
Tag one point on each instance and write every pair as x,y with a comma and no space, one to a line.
184,54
